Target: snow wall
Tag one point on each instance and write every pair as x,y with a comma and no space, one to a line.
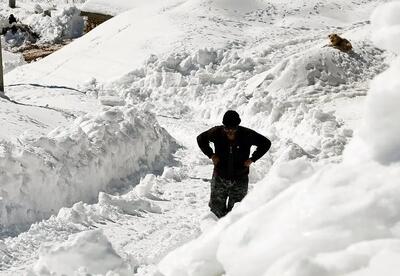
341,220
101,152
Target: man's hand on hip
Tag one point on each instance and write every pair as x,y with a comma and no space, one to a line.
248,162
215,159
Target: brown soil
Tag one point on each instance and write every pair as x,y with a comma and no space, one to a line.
34,52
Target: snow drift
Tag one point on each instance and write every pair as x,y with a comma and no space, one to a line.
111,207
11,61
64,23
381,131
340,220
80,253
85,253
284,101
100,152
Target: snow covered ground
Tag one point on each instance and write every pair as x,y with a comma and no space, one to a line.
86,124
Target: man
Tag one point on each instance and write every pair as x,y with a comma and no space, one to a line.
231,160
12,19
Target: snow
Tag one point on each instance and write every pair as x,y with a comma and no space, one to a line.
20,119
124,48
284,95
381,104
11,61
342,220
386,27
96,126
116,7
90,252
64,23
100,151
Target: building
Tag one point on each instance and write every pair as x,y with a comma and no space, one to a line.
99,11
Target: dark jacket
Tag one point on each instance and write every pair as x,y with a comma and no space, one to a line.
233,154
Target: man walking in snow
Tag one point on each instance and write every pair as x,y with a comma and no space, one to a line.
231,160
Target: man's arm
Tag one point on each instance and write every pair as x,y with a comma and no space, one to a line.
204,139
262,143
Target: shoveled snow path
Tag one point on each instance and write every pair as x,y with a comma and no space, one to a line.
152,236
146,238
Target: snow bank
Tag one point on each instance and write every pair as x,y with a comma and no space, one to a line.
65,22
323,67
282,101
382,130
11,61
99,152
82,254
386,27
111,208
340,220
291,227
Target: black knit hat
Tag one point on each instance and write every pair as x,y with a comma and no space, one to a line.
231,119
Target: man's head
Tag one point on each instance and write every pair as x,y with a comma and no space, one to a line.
231,121
12,19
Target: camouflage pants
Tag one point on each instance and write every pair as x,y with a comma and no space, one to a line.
223,190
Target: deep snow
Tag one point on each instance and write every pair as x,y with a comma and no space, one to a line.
316,208
64,23
339,220
71,164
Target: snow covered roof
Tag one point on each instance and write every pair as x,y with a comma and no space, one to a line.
111,7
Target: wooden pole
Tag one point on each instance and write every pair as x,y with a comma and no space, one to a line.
11,3
1,71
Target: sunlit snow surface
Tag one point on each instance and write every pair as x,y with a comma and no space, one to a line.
341,220
324,199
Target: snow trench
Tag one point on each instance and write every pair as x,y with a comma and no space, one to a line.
102,152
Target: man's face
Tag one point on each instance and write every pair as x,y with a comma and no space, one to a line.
230,132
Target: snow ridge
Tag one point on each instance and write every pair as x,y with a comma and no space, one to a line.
103,152
283,101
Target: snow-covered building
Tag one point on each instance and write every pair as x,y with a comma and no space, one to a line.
94,15
94,19
99,11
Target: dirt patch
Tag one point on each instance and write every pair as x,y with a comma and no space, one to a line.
35,52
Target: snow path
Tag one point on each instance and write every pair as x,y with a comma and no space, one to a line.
147,237
151,237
